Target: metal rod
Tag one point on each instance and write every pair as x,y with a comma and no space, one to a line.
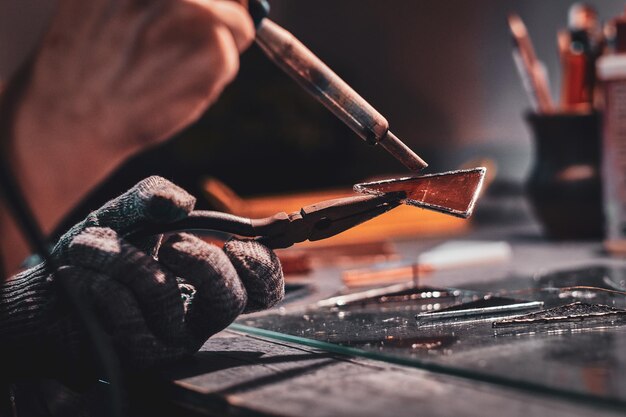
403,153
335,94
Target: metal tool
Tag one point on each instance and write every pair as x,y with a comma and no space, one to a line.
569,313
331,217
394,293
314,222
481,309
322,83
453,192
531,70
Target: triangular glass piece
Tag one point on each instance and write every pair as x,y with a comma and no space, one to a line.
453,192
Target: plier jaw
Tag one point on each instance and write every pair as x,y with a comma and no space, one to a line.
314,222
329,218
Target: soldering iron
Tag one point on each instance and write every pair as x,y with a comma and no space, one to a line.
322,83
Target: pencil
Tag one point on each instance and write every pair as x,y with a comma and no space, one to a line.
531,70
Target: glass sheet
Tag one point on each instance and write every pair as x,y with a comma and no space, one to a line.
580,358
453,192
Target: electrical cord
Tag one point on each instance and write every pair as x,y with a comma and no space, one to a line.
104,355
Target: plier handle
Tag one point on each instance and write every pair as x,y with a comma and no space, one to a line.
314,222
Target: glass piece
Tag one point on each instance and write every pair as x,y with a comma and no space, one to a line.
570,312
453,192
581,360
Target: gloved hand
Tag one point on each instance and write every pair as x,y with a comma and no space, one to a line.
136,297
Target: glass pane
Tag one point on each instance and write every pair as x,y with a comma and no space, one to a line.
581,353
453,192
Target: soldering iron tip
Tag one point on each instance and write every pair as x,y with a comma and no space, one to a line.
402,153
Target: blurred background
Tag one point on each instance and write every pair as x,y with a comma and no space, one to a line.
441,72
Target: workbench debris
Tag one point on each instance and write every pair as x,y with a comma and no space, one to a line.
573,312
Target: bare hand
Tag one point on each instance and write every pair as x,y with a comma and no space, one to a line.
113,77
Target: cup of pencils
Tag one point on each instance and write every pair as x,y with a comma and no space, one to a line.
565,186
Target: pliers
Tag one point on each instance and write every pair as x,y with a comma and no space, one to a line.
315,222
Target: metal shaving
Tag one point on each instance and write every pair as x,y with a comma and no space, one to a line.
567,313
187,292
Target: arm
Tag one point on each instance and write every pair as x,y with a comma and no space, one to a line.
108,80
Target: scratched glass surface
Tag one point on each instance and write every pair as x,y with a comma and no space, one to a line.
581,355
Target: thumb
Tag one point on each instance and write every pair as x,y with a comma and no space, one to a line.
234,16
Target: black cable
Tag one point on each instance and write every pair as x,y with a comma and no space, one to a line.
106,359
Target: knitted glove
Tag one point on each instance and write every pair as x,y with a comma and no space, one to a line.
136,297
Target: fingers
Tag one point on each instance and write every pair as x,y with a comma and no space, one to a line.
199,57
122,318
139,300
154,288
220,296
77,15
260,271
153,199
133,72
234,16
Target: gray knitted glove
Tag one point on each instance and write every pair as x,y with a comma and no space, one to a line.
136,297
